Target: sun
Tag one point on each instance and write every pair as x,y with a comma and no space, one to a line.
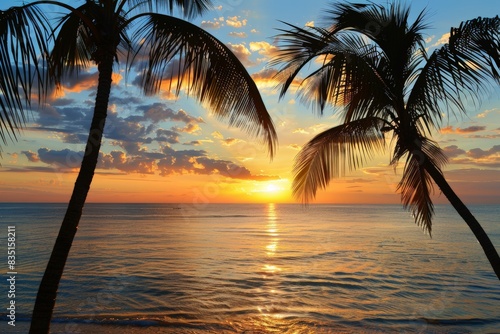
272,188
275,190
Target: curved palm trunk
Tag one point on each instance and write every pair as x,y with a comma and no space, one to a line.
47,292
467,216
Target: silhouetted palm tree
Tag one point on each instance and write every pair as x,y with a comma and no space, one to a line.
371,64
97,32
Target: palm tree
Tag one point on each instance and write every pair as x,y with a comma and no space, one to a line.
371,64
101,32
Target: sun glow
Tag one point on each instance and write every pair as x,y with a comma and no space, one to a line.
271,190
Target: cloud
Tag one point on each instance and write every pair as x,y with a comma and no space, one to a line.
217,135
230,141
294,147
235,22
453,151
164,162
158,112
238,34
189,128
210,25
32,156
198,142
479,153
443,40
146,163
167,136
485,136
266,78
63,158
242,53
486,112
476,156
229,169
301,131
82,81
470,129
264,48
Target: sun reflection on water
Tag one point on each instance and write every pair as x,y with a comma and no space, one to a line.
271,309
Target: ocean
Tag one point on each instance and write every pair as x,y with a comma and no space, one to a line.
256,268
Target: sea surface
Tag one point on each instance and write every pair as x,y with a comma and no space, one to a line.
256,268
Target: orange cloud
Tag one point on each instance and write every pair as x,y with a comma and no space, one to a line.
242,53
264,48
470,129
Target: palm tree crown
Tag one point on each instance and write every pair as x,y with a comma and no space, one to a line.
371,64
103,33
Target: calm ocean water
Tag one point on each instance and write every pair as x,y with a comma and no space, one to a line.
258,268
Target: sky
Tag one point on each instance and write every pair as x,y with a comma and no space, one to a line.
167,149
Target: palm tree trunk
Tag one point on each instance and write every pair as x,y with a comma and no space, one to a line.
467,216
47,292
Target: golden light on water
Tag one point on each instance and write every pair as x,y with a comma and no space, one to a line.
269,311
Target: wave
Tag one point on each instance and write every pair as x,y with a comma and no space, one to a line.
285,324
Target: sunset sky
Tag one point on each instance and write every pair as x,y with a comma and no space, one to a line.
143,134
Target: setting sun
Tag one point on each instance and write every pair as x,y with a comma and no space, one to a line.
272,188
276,190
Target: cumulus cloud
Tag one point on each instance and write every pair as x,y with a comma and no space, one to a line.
82,81
167,136
164,162
65,158
264,48
475,156
210,25
442,40
242,53
266,78
236,22
189,128
479,153
238,34
453,151
159,112
32,156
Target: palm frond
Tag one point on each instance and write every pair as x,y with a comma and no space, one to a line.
207,69
23,36
298,47
82,34
459,71
383,25
331,153
352,79
189,8
75,41
416,184
349,76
